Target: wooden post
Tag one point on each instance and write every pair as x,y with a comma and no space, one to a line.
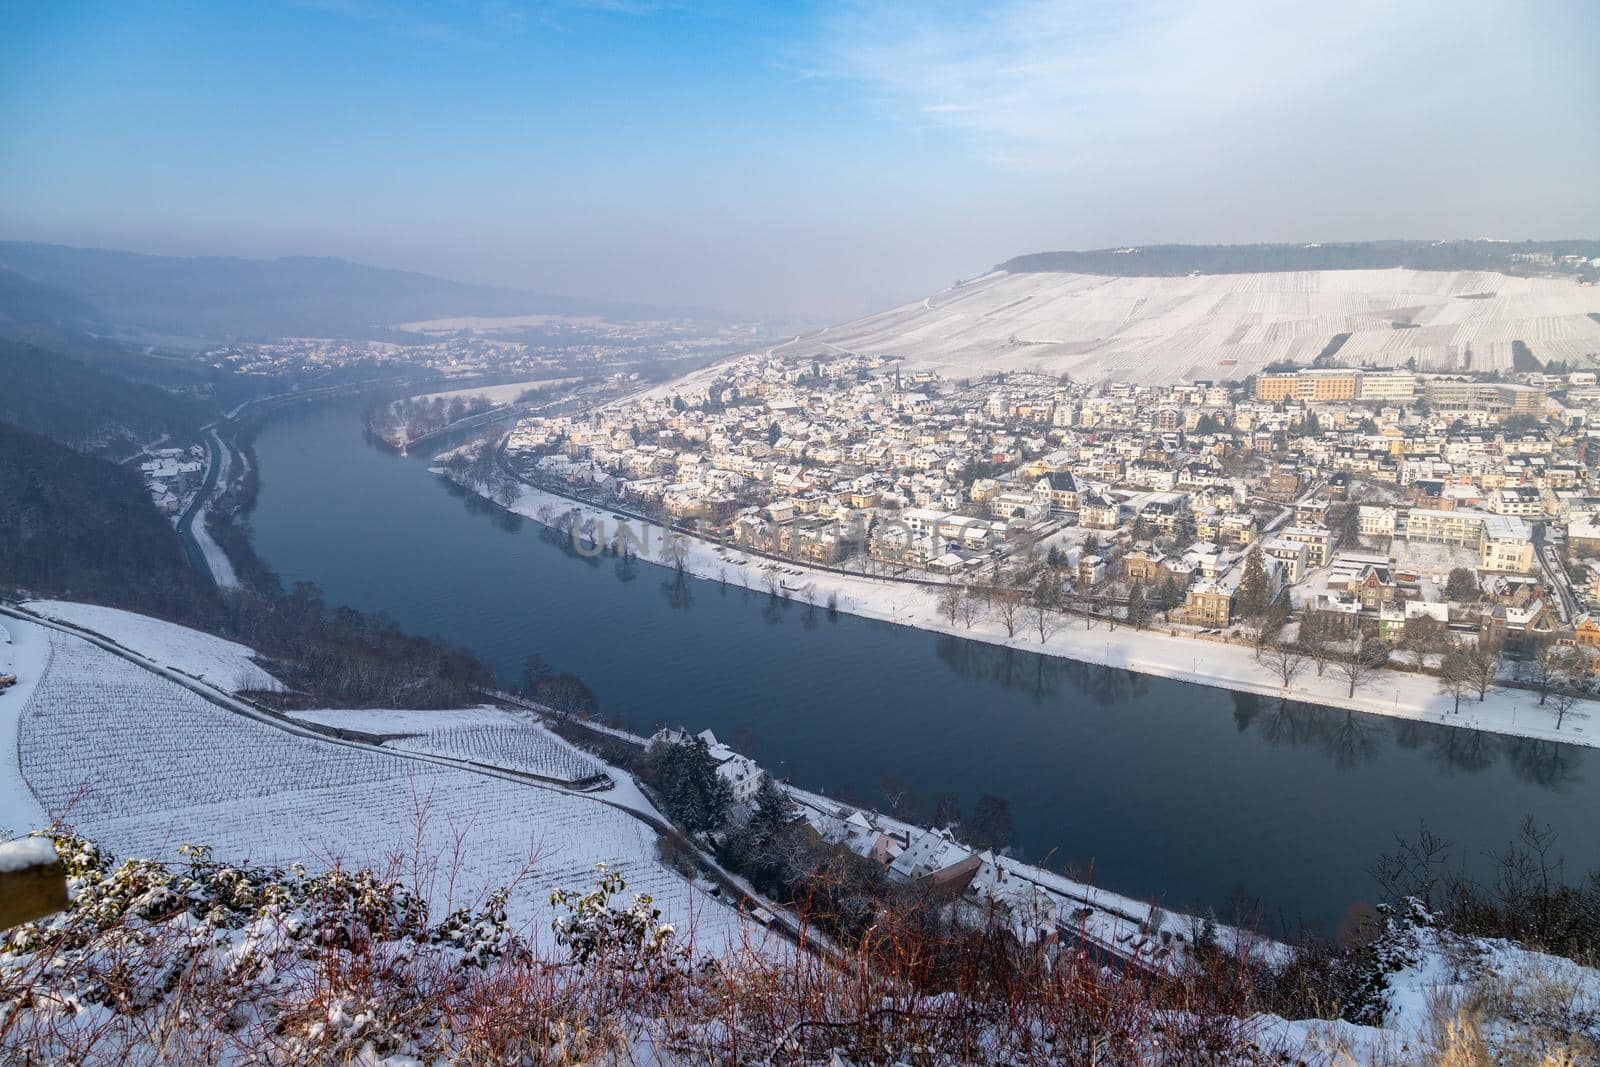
33,883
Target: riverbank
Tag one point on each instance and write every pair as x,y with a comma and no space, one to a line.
1392,694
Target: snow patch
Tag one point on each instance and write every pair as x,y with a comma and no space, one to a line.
26,852
223,663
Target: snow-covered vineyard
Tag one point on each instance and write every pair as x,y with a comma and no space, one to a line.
1164,330
495,737
514,746
223,663
143,765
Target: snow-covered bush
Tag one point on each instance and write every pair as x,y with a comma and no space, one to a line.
205,962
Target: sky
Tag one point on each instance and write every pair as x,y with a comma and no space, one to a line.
822,161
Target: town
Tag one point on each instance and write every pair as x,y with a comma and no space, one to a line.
471,348
1444,524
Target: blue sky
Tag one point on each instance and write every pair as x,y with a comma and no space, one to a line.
787,158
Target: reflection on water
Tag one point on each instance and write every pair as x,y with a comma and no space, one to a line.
1042,678
1347,738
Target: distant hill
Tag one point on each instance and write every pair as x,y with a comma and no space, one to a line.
261,298
1148,261
25,302
1156,329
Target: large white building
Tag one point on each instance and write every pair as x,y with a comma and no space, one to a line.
1503,542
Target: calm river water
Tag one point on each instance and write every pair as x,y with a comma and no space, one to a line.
1192,795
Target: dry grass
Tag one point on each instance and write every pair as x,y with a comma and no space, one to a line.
1529,1019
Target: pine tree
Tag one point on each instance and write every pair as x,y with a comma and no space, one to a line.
1462,585
694,794
1183,530
1170,596
1253,593
1138,610
772,809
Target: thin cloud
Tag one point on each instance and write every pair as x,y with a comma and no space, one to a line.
1043,83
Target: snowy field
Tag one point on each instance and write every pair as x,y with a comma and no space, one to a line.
497,394
404,720
222,663
1161,654
142,765
1225,326
523,746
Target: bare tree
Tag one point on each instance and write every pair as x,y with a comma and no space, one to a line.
675,550
1548,669
1008,608
1046,606
898,795
971,606
1453,677
950,598
1415,869
1362,663
1482,665
1315,640
1083,595
1286,661
1422,634
1564,702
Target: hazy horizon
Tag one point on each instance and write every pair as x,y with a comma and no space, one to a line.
788,159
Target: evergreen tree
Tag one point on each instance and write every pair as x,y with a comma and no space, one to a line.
1169,595
695,796
1462,585
1183,530
762,849
1253,593
1138,610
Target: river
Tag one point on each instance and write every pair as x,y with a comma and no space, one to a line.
1159,789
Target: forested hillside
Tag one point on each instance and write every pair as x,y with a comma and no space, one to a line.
87,408
84,528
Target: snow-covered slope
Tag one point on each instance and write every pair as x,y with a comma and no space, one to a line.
24,654
142,765
403,720
1444,994
1162,330
223,663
